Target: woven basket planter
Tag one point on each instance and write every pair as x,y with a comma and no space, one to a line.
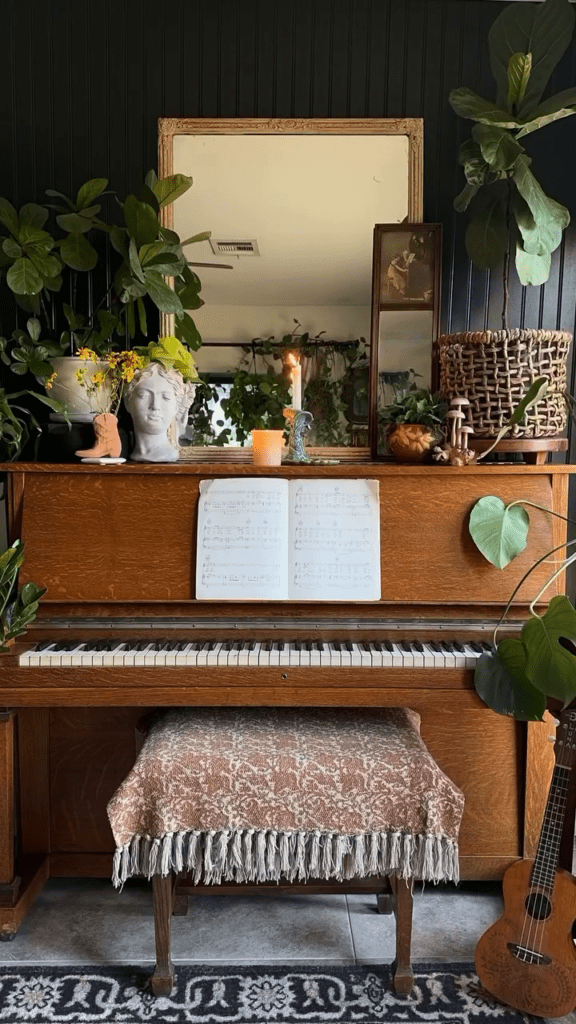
494,369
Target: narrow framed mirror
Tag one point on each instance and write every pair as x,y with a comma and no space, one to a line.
291,207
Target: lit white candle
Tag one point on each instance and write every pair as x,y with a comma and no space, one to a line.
296,374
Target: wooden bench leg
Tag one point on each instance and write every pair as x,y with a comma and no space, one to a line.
180,903
402,975
163,978
385,899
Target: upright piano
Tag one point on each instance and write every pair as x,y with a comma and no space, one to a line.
120,631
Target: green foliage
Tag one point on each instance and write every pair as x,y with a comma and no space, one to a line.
256,402
172,354
17,609
498,531
526,42
18,424
417,405
35,260
518,676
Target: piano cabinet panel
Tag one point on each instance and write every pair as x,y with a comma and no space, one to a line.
92,749
130,537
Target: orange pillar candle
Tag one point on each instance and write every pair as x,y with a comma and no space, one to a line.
267,447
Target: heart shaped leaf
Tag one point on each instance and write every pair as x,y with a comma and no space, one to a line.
498,531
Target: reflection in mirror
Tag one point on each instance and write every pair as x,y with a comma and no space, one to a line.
405,315
291,206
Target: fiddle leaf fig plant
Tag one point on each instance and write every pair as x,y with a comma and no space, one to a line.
17,609
513,214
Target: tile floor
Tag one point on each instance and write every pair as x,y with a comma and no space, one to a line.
85,921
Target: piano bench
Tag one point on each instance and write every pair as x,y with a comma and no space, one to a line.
289,798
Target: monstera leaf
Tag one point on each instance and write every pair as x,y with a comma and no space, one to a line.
501,682
551,665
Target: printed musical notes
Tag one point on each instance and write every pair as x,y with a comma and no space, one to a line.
300,540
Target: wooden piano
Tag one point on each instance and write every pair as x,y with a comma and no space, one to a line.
119,630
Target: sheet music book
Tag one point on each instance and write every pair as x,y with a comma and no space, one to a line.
266,539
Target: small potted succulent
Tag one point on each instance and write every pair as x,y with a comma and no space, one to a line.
413,423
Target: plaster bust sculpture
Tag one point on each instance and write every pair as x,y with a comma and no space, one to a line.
158,400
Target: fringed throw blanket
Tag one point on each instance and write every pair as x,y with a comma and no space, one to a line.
259,794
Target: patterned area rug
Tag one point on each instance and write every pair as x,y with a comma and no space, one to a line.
447,994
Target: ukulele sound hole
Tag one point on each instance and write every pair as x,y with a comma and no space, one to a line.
538,906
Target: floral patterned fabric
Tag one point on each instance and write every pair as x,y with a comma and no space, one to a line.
264,793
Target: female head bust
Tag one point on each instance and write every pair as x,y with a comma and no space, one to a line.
157,399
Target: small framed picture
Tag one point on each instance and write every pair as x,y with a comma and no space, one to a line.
409,265
405,318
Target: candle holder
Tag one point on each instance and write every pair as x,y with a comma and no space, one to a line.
300,423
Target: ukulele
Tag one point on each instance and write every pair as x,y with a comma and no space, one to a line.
527,959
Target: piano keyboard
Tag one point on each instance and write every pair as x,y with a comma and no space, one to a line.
303,653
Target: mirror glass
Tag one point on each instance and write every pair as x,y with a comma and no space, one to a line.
291,208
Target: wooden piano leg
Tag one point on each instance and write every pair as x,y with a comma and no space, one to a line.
402,976
163,978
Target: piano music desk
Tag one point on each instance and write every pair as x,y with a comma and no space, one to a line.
115,546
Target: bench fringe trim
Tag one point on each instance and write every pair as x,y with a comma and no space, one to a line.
251,855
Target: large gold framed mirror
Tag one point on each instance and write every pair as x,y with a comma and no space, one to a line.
291,207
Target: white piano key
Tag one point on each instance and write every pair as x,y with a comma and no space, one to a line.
214,654
285,655
315,656
271,657
114,657
254,654
356,655
345,656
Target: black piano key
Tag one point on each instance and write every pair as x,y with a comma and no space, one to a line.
417,646
71,645
406,646
349,646
309,646
321,646
476,646
268,646
337,645
42,646
387,645
281,645
436,647
227,646
458,647
447,645
366,647
487,647
251,645
298,645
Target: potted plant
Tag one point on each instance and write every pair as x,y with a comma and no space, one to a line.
413,423
512,218
17,421
17,609
41,267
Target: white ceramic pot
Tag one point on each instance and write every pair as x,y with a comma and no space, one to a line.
81,406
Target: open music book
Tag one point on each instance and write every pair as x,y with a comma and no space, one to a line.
266,539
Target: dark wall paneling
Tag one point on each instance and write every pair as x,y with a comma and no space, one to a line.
83,82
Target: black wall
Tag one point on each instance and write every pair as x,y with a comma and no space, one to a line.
82,83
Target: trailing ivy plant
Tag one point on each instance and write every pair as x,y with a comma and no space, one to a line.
17,608
256,402
513,214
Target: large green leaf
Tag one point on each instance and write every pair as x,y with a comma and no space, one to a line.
538,237
167,190
202,236
8,216
23,278
550,216
467,103
134,261
500,681
532,268
465,197
11,248
519,68
550,667
499,148
141,221
544,30
28,235
563,104
165,299
34,215
487,237
48,266
120,240
498,531
186,330
89,191
74,222
77,252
